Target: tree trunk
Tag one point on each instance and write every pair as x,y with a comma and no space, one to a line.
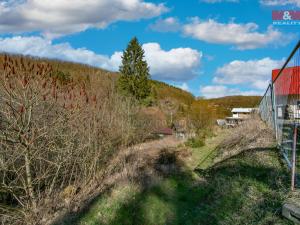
29,181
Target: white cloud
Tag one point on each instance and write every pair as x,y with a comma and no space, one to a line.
243,36
40,47
184,86
178,64
280,2
218,1
256,73
216,91
58,17
170,24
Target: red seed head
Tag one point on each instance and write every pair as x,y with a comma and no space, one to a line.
21,109
25,82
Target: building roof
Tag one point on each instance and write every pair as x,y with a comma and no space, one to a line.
164,131
234,118
242,110
288,81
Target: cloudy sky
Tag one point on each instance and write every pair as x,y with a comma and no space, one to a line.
211,48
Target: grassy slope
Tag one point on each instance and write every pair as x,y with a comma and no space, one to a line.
203,157
246,189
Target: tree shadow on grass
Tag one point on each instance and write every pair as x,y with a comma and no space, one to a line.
240,190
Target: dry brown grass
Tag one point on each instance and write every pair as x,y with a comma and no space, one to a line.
139,161
252,133
144,164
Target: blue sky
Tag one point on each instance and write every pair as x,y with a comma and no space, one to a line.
211,48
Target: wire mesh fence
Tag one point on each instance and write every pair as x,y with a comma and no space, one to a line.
280,108
266,107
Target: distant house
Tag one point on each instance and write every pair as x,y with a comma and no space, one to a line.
162,132
241,112
180,131
238,115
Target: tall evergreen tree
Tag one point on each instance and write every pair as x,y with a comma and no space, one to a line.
134,78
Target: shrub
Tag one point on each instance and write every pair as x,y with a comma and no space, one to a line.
251,134
195,142
55,135
62,77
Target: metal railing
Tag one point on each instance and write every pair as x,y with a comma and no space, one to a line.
280,108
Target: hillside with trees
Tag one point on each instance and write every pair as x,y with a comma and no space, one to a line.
164,101
225,104
160,91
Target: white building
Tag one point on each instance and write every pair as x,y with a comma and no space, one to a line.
238,115
241,112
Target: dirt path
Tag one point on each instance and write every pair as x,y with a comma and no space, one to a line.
127,165
130,161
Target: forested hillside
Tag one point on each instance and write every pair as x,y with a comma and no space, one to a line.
161,90
225,104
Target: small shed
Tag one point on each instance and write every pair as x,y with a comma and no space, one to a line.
180,131
241,112
165,131
238,116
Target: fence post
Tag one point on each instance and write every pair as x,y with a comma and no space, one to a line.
293,178
274,108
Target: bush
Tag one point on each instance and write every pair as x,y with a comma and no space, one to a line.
62,77
253,133
148,101
195,142
56,133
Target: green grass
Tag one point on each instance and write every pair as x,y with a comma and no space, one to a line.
195,142
171,201
202,157
246,189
